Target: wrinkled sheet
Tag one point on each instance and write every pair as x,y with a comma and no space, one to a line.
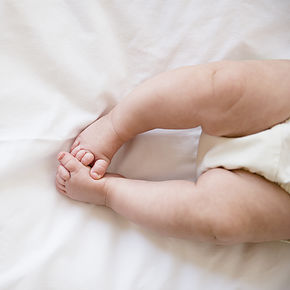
63,63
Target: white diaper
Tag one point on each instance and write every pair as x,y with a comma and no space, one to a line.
266,153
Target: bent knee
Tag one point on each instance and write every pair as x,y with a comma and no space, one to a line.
224,220
227,231
226,227
219,117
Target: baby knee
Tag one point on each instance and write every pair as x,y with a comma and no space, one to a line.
228,85
224,219
226,232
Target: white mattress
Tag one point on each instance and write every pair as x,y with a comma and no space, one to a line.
65,62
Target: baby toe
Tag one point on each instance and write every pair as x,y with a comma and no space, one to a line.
69,162
75,150
59,179
75,144
60,187
99,169
88,158
60,190
63,173
80,154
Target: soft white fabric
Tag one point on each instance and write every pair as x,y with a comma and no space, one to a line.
65,62
265,153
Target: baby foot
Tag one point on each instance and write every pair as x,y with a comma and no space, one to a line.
73,180
96,145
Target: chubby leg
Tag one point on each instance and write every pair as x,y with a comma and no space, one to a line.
225,98
223,207
248,208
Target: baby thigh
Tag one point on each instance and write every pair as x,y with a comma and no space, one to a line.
244,207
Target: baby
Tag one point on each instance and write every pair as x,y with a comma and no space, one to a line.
245,103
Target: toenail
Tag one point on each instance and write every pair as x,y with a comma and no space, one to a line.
96,175
60,156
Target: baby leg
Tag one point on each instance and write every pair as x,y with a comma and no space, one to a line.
225,98
247,97
223,207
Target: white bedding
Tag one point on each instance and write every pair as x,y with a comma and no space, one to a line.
65,62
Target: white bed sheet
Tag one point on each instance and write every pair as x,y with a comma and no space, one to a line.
65,62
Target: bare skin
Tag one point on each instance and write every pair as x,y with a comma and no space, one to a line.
226,99
222,97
